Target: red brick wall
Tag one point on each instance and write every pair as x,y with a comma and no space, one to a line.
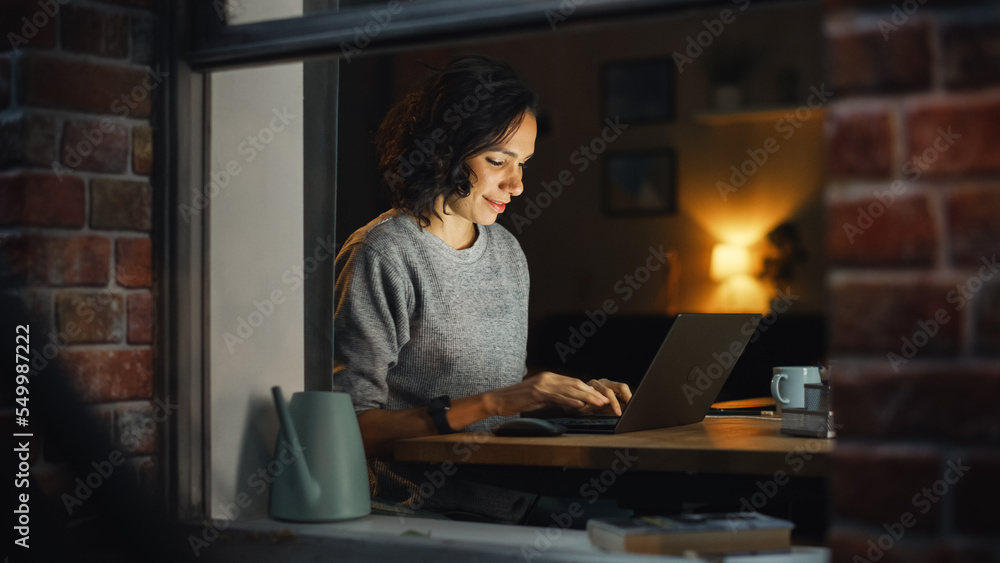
913,231
77,84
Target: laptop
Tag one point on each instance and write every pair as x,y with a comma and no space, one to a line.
683,380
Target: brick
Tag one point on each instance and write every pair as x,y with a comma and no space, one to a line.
135,430
977,494
39,304
85,86
110,375
932,146
27,24
41,200
60,261
973,229
868,233
142,149
27,140
86,317
121,205
924,401
5,84
93,31
141,318
143,30
878,484
96,145
970,52
987,319
876,61
134,262
859,142
875,318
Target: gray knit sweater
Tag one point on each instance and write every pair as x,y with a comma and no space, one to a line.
416,319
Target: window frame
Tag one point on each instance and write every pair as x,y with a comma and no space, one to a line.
194,41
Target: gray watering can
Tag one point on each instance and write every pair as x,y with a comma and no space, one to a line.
325,477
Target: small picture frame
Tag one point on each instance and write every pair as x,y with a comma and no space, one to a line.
639,91
637,183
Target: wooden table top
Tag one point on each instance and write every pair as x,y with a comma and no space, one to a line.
715,445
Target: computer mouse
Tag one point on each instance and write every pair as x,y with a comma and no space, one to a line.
528,427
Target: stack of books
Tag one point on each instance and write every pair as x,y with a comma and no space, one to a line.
704,534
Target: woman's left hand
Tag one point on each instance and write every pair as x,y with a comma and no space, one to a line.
618,394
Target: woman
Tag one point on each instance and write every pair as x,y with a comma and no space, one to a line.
432,297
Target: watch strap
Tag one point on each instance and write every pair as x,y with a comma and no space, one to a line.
438,409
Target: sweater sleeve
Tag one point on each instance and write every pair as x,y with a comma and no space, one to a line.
373,302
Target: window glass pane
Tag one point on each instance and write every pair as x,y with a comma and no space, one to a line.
239,12
254,201
728,95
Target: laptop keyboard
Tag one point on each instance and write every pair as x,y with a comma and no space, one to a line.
611,421
588,424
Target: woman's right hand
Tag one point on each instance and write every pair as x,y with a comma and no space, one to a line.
544,389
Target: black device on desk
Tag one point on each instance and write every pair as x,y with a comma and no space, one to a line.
683,380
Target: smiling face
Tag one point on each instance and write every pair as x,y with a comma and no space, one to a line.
496,177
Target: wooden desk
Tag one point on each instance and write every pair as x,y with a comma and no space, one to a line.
716,445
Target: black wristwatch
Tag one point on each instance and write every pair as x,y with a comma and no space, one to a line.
437,408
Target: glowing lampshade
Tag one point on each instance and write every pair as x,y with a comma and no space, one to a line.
729,260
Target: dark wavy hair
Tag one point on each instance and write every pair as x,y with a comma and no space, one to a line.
470,105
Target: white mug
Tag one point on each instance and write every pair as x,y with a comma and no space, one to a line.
788,385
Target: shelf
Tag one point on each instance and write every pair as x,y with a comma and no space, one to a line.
754,115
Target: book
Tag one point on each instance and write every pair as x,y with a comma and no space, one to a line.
701,533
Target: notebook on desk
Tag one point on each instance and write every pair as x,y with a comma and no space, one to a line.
684,378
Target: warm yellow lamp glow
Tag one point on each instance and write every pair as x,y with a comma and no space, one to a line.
729,260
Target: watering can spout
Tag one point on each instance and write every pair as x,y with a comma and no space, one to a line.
306,487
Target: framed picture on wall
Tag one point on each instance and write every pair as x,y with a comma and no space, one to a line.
639,91
639,183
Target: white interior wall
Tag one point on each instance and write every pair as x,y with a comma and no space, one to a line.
255,260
